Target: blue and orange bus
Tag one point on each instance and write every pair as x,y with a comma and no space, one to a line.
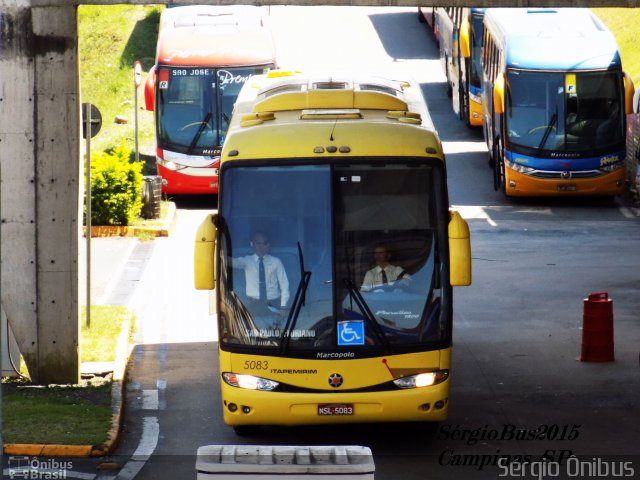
461,35
204,55
555,102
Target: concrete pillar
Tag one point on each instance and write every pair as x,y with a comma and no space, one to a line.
41,186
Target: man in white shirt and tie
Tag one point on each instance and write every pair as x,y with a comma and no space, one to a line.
265,277
383,273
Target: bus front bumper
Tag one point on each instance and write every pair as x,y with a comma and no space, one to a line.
190,180
251,407
523,185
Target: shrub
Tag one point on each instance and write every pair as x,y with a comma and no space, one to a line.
116,184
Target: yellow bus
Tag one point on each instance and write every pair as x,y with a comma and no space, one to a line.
322,179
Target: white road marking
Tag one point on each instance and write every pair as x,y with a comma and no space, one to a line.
474,211
626,212
146,447
150,399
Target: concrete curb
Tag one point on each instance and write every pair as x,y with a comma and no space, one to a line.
133,231
48,450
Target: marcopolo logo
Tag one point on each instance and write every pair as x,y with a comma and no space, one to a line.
36,468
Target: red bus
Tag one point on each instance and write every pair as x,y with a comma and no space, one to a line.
204,55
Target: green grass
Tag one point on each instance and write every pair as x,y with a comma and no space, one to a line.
68,414
111,39
98,343
71,415
623,22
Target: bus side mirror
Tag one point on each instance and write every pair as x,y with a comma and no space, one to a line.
465,49
629,92
459,251
498,95
150,90
204,255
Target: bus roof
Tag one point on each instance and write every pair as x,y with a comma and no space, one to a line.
212,15
303,116
553,39
211,36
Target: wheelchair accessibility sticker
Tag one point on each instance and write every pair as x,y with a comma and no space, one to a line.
351,332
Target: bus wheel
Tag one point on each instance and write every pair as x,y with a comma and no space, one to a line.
246,430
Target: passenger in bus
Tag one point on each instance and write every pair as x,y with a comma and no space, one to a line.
267,285
384,273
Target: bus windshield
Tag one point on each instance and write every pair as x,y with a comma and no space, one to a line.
559,111
195,105
326,233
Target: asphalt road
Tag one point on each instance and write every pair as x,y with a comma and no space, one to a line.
518,389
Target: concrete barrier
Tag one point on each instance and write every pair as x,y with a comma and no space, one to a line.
271,462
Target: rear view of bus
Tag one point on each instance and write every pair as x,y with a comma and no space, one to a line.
322,172
555,103
204,55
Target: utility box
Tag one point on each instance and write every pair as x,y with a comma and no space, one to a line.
275,462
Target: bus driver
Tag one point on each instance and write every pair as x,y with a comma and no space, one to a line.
383,273
266,279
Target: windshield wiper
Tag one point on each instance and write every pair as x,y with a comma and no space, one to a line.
296,305
198,134
366,313
547,132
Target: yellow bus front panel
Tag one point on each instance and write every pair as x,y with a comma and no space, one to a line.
364,393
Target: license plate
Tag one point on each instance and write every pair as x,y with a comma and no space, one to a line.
335,409
567,188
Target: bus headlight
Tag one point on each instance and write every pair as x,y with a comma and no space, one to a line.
612,167
168,164
248,381
518,168
422,379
